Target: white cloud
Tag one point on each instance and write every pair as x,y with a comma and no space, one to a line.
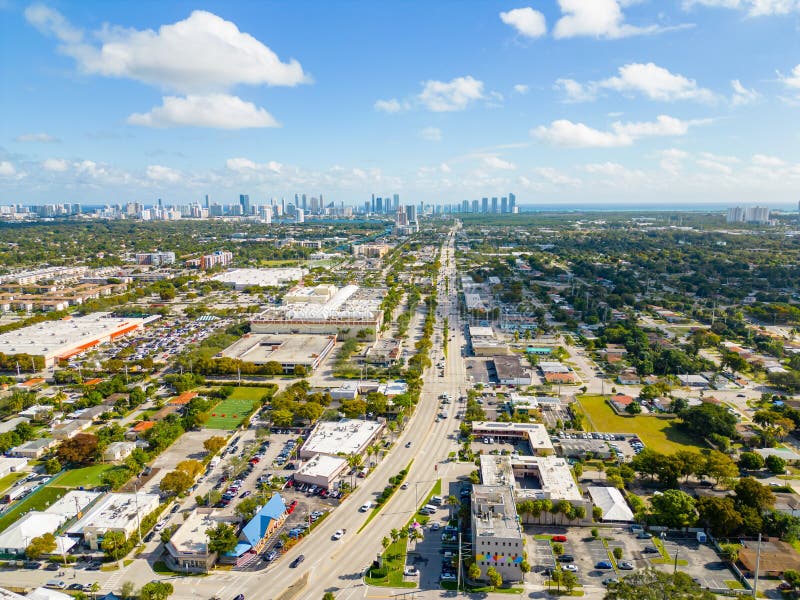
595,18
528,22
391,106
672,160
713,165
555,176
57,165
754,8
42,138
762,160
495,162
432,134
522,89
52,22
454,95
791,81
201,54
742,95
574,91
7,169
578,135
245,165
163,174
648,79
219,111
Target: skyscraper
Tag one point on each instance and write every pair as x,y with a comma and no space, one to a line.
379,205
485,205
464,206
207,201
396,198
244,202
411,213
475,205
504,204
512,202
305,202
494,204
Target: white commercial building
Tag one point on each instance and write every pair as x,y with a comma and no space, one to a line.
17,536
240,279
611,502
534,433
496,532
349,312
71,503
289,350
114,512
345,437
11,465
62,339
188,547
321,470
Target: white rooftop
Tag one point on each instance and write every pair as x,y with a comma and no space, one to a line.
50,338
43,593
323,465
190,537
346,436
477,331
611,502
553,367
555,477
261,277
537,435
72,502
115,511
34,524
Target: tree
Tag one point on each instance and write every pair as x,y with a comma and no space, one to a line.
328,596
247,508
474,572
114,544
156,590
751,493
221,538
674,508
80,449
617,553
127,590
176,482
214,444
720,466
707,418
44,544
570,580
282,417
52,466
650,584
792,577
191,467
751,461
495,579
719,515
775,464
730,552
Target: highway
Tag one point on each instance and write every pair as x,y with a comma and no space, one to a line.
338,566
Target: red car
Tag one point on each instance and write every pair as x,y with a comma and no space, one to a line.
291,507
559,538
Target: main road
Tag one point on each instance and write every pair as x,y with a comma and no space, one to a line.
338,566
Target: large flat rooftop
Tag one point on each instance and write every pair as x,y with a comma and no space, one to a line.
348,302
115,511
323,465
190,537
261,348
242,278
56,338
494,512
341,437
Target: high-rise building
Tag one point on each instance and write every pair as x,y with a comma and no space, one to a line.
378,205
465,206
300,215
512,202
244,203
411,213
475,206
207,205
494,204
305,203
396,198
503,205
484,205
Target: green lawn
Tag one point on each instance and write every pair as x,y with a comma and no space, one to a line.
7,481
37,501
86,477
229,413
662,435
248,393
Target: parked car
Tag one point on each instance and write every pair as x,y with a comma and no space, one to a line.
568,558
625,565
604,564
52,567
410,571
559,538
570,567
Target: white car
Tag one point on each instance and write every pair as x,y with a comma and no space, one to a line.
365,507
410,571
338,535
570,567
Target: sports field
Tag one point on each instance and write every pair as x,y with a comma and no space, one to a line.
229,413
662,435
248,393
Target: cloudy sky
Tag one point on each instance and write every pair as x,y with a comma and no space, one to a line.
652,102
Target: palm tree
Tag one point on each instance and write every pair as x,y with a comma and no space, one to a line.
453,503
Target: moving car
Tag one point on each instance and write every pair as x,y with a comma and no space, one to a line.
296,562
339,533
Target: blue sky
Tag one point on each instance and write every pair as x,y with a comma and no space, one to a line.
647,102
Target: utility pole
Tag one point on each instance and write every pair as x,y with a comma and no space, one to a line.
458,582
758,566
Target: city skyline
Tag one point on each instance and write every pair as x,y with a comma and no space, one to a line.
629,102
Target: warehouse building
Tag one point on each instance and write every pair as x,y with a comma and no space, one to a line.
510,371
345,437
290,351
68,337
534,433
